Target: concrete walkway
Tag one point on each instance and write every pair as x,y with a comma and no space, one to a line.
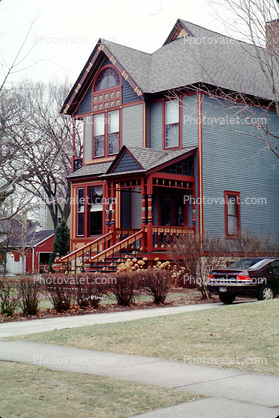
9,329
230,393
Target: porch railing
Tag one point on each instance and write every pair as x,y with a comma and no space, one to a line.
108,257
166,235
96,246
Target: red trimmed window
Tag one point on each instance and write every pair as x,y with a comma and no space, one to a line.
106,134
80,212
232,213
106,119
172,129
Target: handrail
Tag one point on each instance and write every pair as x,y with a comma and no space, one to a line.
116,247
90,246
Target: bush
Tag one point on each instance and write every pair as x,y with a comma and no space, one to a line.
28,296
59,290
157,282
8,299
88,290
124,287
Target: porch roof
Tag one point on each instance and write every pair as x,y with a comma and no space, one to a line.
147,158
90,170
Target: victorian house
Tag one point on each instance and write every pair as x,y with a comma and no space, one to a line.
165,153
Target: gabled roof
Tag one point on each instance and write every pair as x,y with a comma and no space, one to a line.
32,240
202,56
146,159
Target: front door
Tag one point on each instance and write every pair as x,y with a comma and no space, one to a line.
171,209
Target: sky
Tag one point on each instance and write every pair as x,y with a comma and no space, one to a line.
64,32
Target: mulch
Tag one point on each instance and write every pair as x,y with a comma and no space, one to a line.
190,297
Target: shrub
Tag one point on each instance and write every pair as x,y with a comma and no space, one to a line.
28,296
59,290
89,289
157,282
124,287
8,299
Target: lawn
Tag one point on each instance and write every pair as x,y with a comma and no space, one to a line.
241,336
29,391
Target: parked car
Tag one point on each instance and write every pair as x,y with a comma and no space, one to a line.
255,277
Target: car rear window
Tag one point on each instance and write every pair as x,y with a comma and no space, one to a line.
246,263
259,264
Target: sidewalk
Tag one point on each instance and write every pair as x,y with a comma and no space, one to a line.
9,329
230,393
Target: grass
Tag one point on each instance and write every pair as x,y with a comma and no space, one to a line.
29,391
245,334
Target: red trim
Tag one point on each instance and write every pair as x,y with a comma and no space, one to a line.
97,74
106,154
237,195
200,165
176,177
173,161
138,102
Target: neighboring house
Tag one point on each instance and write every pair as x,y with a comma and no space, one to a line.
162,155
36,252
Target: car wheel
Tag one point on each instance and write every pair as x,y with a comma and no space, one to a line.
227,299
266,293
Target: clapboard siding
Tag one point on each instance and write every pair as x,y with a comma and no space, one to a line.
128,94
88,138
232,160
132,125
156,125
189,121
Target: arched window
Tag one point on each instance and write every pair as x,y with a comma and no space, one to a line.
107,79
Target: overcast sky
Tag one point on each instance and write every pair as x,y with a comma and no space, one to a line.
65,32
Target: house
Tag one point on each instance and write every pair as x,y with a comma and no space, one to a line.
36,252
165,151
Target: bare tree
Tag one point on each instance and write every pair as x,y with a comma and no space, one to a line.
254,63
42,142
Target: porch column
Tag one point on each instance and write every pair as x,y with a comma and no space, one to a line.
74,143
113,225
107,196
149,215
143,213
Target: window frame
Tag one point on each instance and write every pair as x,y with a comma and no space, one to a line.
114,96
79,212
106,134
228,194
179,146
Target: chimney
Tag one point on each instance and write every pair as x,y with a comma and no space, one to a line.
272,36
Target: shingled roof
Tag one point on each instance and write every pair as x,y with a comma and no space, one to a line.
90,170
147,158
202,56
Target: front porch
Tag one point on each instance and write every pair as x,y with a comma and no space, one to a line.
143,210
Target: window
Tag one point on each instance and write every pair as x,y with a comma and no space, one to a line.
106,134
96,210
172,124
80,211
107,78
106,97
99,135
232,213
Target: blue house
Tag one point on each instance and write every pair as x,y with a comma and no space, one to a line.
172,144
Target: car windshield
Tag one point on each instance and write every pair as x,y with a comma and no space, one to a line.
245,264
